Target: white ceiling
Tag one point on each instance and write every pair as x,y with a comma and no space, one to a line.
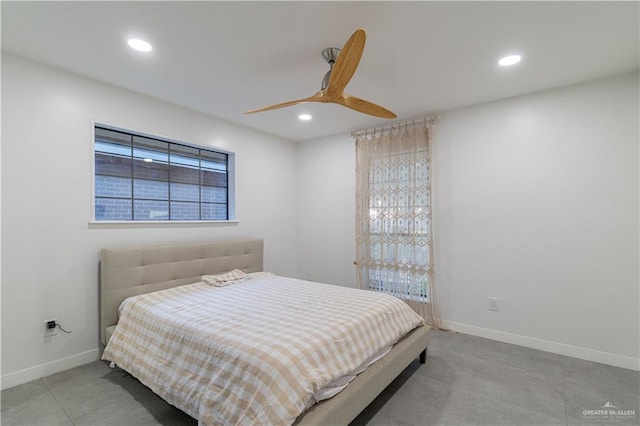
223,58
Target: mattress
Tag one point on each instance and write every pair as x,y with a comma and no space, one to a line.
256,351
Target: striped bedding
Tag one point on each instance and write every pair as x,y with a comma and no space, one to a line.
252,352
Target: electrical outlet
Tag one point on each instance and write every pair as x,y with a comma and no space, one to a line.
50,326
493,304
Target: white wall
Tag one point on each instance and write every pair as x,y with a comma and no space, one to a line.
326,211
50,252
536,203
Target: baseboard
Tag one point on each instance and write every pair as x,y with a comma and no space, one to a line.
546,345
47,369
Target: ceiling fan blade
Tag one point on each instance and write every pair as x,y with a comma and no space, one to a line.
346,64
317,97
365,107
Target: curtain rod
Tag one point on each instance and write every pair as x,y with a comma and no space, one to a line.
428,120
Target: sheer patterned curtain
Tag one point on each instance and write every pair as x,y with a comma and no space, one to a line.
393,215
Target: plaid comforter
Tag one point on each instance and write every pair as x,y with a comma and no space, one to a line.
252,352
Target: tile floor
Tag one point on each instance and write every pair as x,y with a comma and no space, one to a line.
466,381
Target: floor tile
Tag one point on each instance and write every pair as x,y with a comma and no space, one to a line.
466,381
582,398
384,419
590,373
504,383
417,403
474,409
31,404
528,359
128,413
590,386
87,388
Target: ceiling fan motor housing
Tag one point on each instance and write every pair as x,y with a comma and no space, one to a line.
330,55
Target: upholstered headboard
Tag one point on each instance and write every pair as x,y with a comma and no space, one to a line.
129,271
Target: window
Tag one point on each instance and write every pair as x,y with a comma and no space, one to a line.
143,178
399,224
394,245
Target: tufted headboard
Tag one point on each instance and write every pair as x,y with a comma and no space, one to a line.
130,271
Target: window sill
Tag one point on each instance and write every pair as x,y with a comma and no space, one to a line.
150,223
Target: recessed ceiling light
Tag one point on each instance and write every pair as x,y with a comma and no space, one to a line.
148,160
139,45
509,60
304,117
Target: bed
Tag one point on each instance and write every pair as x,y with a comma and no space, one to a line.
133,271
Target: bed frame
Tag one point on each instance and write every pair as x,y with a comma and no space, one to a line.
130,271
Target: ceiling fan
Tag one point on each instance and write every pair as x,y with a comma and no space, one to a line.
342,65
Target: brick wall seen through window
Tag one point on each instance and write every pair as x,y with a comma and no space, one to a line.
141,178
